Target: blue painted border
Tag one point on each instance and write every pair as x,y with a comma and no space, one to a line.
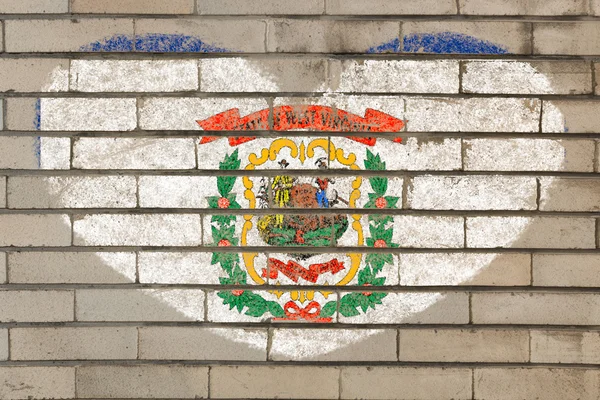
439,43
153,43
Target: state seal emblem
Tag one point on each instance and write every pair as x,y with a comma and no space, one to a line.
305,214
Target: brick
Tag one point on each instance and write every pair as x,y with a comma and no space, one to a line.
71,267
531,232
333,345
525,78
81,343
22,383
568,38
462,345
134,153
510,37
569,194
536,383
35,230
536,308
34,75
405,383
54,153
472,115
21,114
176,191
516,7
87,114
137,230
472,193
417,308
178,268
260,7
450,269
393,7
34,7
435,232
580,270
18,152
142,381
563,116
218,35
72,192
325,36
198,343
253,382
134,75
3,344
414,154
140,305
268,75
36,306
132,7
571,347
62,35
182,113
595,7
389,76
528,155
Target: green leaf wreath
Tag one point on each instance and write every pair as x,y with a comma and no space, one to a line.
351,304
223,234
380,236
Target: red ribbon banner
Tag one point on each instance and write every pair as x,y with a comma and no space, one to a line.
309,313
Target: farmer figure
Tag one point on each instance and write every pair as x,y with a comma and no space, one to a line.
322,184
282,185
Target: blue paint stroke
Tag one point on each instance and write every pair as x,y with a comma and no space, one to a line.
153,43
37,123
174,43
449,43
389,47
116,43
37,119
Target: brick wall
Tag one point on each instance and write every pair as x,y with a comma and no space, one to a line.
414,214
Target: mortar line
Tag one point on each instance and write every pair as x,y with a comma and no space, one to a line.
538,195
312,17
541,118
315,250
340,383
398,333
531,38
593,71
266,36
209,373
305,326
458,12
531,267
269,344
597,156
470,308
9,344
138,343
472,381
529,344
137,267
296,55
76,212
269,173
194,94
328,364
